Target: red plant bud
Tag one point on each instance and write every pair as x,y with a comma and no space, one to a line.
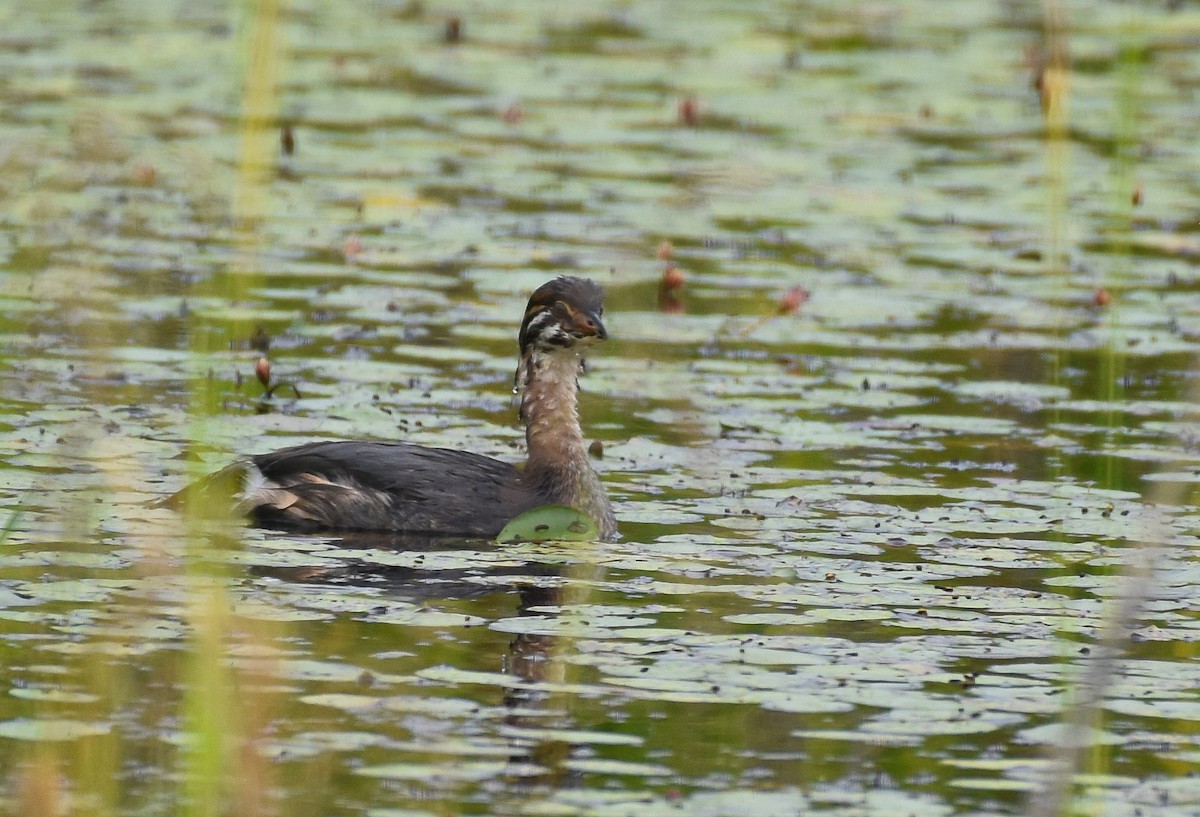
689,112
513,114
791,301
262,370
673,277
145,174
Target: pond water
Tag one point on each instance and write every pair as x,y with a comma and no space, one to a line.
870,539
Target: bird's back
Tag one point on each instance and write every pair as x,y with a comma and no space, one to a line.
383,487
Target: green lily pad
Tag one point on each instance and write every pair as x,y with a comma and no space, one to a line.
616,767
475,770
550,523
54,696
50,730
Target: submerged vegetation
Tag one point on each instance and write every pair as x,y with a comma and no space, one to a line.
899,409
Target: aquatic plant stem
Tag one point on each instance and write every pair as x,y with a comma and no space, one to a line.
219,734
1127,143
1053,85
1099,671
11,524
260,113
208,702
1077,748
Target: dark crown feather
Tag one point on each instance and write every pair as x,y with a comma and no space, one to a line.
543,328
580,294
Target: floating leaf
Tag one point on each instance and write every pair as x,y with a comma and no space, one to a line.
550,523
48,730
470,770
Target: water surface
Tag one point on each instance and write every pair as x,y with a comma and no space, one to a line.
867,544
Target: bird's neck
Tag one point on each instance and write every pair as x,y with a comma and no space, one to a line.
550,408
558,462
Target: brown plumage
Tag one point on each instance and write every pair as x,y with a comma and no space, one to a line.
409,488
